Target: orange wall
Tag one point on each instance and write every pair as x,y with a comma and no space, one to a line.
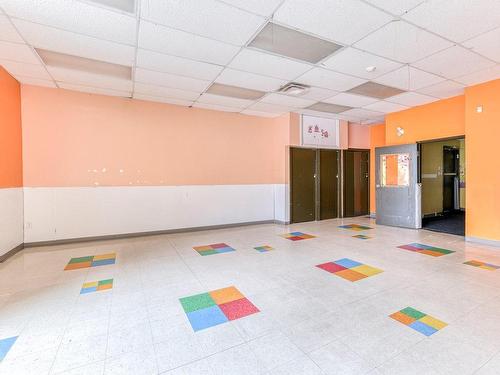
79,139
11,163
442,119
377,139
482,162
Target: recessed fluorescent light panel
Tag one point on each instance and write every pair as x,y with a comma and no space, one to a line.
235,92
61,60
327,107
123,5
291,43
375,90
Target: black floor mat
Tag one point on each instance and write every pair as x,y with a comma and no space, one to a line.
452,223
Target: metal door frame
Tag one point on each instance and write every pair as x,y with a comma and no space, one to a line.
369,176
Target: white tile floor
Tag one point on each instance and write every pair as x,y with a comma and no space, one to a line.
310,321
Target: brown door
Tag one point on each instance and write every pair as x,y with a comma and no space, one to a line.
356,183
328,184
302,184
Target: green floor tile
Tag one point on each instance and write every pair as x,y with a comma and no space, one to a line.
197,302
413,313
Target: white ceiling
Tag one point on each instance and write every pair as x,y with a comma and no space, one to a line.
178,48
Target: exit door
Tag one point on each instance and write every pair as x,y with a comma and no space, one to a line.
398,193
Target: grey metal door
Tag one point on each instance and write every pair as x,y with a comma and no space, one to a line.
398,193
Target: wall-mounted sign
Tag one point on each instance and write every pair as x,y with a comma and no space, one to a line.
320,132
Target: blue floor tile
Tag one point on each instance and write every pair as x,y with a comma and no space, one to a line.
347,263
423,328
5,346
207,317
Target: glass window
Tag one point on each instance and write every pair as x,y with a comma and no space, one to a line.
395,170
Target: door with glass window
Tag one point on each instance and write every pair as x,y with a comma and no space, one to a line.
398,193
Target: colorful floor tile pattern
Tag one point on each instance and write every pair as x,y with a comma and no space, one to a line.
419,321
349,269
355,227
361,237
5,345
297,236
425,249
483,265
96,286
91,261
216,248
263,249
216,307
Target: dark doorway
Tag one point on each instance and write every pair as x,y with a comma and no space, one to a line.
328,187
302,184
356,182
442,175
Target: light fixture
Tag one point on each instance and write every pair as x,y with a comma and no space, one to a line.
375,90
328,107
235,92
288,42
123,5
400,131
479,109
295,89
371,69
82,64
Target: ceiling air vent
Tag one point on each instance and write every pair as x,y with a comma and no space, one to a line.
294,89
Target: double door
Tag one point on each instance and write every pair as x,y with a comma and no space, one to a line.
314,186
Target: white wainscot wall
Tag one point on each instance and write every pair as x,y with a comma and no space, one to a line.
76,212
11,219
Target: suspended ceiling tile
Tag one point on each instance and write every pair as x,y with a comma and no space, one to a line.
18,52
487,44
409,78
412,99
373,121
215,107
179,43
209,18
164,92
266,64
362,113
317,94
170,80
306,111
350,100
70,43
7,32
444,89
329,80
332,19
480,76
224,101
249,80
397,7
250,112
177,65
402,42
355,62
94,90
385,107
454,62
77,16
267,107
262,7
128,6
457,20
35,81
151,98
287,101
89,79
25,70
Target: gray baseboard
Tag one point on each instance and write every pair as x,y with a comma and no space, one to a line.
11,253
143,234
483,241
